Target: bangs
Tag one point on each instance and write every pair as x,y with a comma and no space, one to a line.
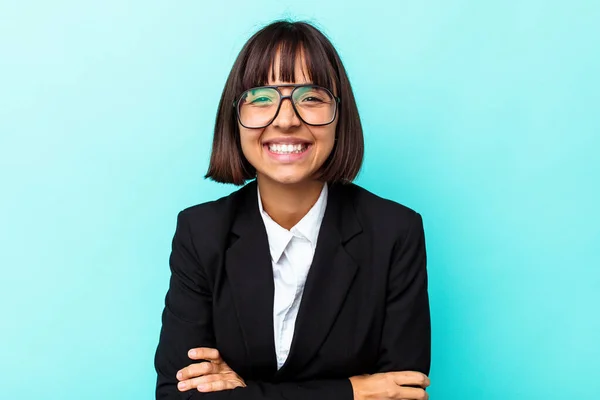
288,45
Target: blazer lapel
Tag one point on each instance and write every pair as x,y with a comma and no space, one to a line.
329,279
249,268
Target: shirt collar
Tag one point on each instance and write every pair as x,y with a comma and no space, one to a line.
308,227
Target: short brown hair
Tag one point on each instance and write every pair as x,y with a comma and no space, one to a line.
252,68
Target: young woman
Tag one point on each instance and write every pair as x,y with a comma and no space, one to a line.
300,285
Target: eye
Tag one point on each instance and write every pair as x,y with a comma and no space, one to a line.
312,99
260,100
312,96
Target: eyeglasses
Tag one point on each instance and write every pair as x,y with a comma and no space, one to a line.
258,107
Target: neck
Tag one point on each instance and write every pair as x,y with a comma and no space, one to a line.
288,204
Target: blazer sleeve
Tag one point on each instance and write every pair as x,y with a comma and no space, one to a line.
187,323
406,339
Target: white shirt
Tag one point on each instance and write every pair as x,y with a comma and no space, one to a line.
291,255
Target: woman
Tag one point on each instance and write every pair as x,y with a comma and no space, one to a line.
300,285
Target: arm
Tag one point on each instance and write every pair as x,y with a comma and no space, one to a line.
406,339
187,323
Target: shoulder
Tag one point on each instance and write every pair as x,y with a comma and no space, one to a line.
214,216
380,214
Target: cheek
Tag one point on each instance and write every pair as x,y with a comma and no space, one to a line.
249,140
326,138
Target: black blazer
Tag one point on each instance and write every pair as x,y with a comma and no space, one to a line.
365,306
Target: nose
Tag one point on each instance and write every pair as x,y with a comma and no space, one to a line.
286,118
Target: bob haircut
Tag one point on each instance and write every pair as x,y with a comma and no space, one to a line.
252,67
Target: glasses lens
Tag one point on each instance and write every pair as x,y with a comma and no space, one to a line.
257,107
315,105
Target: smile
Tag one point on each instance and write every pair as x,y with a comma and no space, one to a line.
288,152
287,148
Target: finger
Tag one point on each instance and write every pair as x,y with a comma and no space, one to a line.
199,369
410,378
218,382
204,353
190,383
184,386
408,393
193,383
404,378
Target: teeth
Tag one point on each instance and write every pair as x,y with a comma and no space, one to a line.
287,148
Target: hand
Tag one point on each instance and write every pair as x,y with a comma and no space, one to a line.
213,375
390,386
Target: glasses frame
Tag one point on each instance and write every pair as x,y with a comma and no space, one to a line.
236,104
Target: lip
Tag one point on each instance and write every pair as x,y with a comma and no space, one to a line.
288,158
286,140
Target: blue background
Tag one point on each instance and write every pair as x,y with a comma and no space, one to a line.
481,115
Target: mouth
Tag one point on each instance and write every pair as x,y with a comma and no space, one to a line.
287,148
288,151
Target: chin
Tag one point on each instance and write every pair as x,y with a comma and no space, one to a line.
288,179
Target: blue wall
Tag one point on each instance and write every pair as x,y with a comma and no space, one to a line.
482,115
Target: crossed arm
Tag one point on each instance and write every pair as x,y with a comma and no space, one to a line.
214,375
187,315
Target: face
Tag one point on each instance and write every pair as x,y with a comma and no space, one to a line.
268,149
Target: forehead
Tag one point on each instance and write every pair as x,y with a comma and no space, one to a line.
287,62
280,74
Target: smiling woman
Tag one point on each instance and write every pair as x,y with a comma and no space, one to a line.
300,284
